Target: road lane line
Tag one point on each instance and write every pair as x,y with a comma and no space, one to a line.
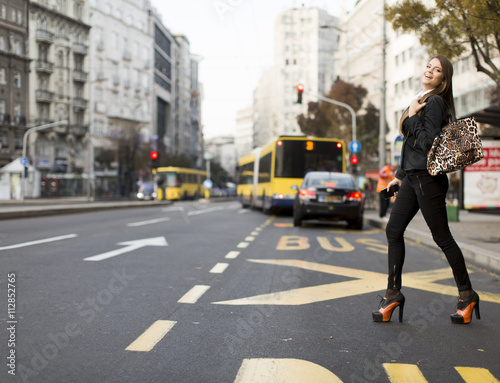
242,245
219,268
232,254
254,233
194,294
46,240
399,372
474,374
151,336
249,238
150,222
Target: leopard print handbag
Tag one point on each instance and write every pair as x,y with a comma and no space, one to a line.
457,145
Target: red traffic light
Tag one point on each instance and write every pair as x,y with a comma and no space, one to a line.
300,88
153,155
354,160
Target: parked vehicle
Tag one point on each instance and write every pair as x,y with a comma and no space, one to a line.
329,196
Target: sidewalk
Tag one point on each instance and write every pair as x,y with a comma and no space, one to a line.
477,234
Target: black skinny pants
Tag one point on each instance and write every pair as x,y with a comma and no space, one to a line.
420,190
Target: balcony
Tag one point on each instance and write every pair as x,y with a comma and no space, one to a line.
43,95
79,130
42,121
80,48
44,36
44,66
79,75
4,118
79,103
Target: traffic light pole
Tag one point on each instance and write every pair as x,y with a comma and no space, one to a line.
348,107
25,140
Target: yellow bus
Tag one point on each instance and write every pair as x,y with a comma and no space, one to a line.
266,176
179,183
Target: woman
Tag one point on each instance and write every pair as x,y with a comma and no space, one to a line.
427,114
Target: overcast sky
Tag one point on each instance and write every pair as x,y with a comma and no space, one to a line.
235,40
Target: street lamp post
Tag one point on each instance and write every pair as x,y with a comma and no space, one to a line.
25,140
348,107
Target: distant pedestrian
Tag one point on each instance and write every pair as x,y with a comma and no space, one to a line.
385,175
418,190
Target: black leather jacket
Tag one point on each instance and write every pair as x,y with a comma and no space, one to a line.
419,133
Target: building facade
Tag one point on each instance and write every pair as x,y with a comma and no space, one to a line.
14,78
305,44
122,91
244,132
59,47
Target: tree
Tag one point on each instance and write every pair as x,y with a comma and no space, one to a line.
453,26
327,120
368,135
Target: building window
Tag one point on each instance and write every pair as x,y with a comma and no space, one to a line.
2,76
2,43
13,15
79,10
4,139
3,12
17,80
19,18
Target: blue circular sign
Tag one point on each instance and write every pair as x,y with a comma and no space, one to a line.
354,146
24,161
207,184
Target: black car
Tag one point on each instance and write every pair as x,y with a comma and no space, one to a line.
146,191
329,196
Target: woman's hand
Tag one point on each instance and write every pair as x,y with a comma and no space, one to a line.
394,182
415,107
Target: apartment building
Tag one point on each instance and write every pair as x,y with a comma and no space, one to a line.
305,44
14,80
58,46
122,90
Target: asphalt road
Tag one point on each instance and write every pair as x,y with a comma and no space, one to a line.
214,293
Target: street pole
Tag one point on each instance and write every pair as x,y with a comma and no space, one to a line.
381,137
25,140
348,107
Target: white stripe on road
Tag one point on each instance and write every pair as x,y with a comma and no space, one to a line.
254,233
249,238
242,245
219,268
151,336
46,240
232,254
143,223
194,294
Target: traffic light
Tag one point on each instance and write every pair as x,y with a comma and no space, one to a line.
154,159
354,162
300,89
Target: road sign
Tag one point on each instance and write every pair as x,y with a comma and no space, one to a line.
207,184
24,161
354,146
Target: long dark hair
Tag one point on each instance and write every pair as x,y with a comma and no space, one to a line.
445,89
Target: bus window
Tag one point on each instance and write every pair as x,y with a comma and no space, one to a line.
265,168
172,179
294,161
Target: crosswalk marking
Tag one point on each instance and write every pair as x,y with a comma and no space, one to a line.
232,254
219,268
408,373
151,336
194,294
476,375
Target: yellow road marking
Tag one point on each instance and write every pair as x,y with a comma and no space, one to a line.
365,282
407,373
344,245
476,375
151,336
219,268
232,254
277,224
194,294
242,245
283,370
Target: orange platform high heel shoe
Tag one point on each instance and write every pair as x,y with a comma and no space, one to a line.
465,309
386,308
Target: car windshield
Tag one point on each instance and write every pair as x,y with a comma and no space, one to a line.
329,181
147,187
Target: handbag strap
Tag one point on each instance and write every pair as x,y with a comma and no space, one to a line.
450,112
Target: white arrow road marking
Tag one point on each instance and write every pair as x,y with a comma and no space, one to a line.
131,246
150,222
46,240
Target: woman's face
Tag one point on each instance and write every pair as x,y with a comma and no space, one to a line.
433,75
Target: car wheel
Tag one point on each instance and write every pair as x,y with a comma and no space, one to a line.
356,224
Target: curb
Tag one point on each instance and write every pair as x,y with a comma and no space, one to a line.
41,210
473,254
